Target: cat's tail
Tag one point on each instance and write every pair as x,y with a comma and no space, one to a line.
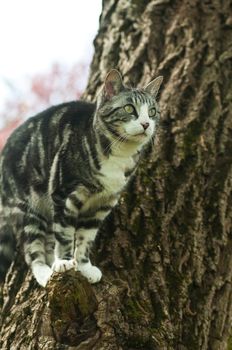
7,248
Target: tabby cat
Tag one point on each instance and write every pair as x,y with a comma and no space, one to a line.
62,172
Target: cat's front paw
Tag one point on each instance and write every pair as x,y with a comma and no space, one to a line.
92,273
62,265
42,273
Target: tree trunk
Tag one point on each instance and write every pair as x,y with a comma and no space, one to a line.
165,251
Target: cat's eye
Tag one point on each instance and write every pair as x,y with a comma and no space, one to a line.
152,112
129,109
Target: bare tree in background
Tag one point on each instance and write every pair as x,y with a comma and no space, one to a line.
166,251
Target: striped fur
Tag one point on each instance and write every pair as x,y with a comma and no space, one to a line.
62,171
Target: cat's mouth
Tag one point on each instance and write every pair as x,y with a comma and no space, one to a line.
139,137
140,134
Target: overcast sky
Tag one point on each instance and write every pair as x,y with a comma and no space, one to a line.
36,33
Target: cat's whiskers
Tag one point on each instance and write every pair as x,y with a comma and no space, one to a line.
101,128
119,142
112,145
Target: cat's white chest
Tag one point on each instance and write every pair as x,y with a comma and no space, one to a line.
112,174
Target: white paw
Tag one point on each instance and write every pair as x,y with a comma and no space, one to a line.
92,273
62,265
42,273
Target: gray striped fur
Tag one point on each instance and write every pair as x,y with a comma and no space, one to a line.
63,170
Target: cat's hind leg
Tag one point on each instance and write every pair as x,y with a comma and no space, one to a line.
34,233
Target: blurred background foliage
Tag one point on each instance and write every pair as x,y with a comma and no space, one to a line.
59,84
46,50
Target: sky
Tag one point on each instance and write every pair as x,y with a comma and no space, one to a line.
36,33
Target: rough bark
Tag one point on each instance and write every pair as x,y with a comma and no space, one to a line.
166,249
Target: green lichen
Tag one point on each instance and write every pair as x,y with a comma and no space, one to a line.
229,344
190,138
72,289
139,343
71,302
133,310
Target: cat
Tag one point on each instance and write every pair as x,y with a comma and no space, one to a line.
62,172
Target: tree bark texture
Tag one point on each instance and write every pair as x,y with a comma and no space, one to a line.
165,251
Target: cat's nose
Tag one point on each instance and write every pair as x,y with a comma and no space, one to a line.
145,125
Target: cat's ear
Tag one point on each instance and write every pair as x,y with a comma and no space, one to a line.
113,84
154,86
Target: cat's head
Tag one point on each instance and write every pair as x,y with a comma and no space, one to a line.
132,114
